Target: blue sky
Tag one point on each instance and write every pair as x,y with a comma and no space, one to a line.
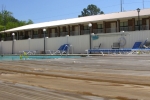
49,10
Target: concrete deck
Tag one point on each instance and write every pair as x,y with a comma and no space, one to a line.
109,77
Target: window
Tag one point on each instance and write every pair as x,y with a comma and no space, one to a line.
8,35
100,26
86,27
61,29
23,34
136,22
70,28
66,29
35,32
123,24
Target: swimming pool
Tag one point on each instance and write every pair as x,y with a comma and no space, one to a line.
30,57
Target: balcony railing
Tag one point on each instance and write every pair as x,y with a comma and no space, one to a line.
63,33
8,38
35,36
73,33
130,28
20,37
83,32
124,28
142,27
110,30
53,34
98,31
137,28
42,35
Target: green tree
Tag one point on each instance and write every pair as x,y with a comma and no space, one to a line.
8,21
91,10
29,21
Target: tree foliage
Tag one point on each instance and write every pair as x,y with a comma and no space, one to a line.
8,21
91,10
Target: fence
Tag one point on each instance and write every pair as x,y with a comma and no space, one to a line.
79,42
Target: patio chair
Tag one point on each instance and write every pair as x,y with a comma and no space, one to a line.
28,52
61,50
135,48
146,44
97,47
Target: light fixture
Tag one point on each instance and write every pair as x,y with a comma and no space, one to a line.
138,10
44,31
13,34
90,27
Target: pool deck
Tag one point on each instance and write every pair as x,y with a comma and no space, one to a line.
94,77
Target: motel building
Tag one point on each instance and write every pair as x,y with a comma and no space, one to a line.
105,29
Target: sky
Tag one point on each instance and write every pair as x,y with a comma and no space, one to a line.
49,10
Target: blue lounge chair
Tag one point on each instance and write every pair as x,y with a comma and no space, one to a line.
61,50
142,49
146,44
135,47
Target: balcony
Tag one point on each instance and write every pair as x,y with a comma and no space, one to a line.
98,31
53,34
73,33
111,30
84,32
8,38
126,28
142,27
63,33
20,37
42,35
35,36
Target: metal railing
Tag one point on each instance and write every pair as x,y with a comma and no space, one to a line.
130,28
8,38
42,35
142,27
127,28
53,34
63,33
137,28
73,33
110,30
35,36
98,31
85,32
20,37
124,28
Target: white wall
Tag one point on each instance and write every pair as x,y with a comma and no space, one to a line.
80,43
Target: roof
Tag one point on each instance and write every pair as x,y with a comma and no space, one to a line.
102,17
